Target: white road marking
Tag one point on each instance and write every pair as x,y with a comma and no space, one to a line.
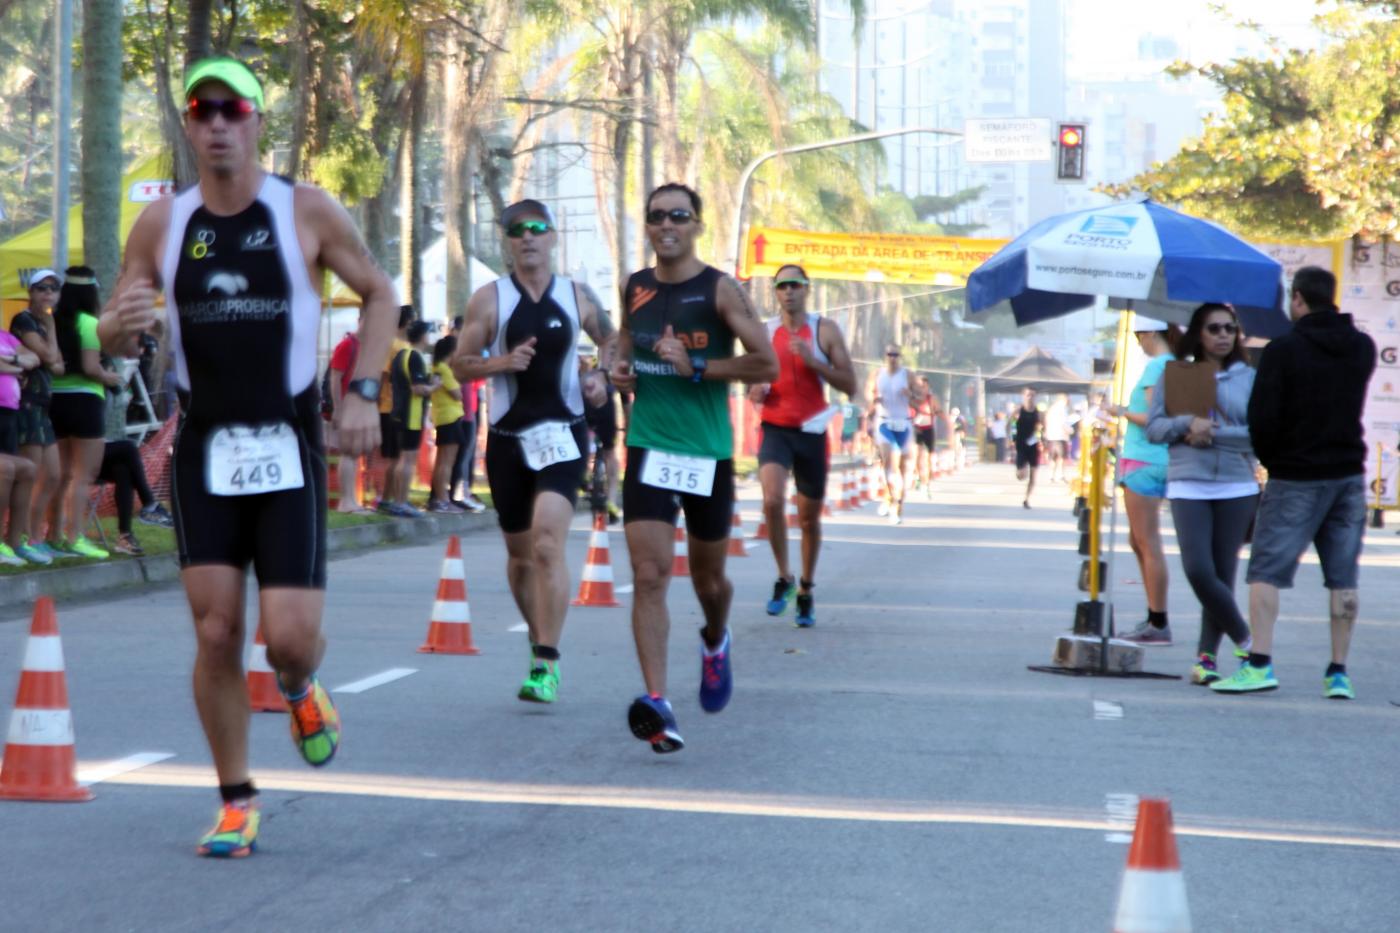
1107,709
522,627
105,770
375,680
1122,816
623,589
781,806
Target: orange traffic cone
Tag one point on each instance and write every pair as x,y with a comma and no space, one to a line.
680,564
862,487
737,547
762,533
595,587
40,761
263,695
450,629
846,501
1153,896
790,513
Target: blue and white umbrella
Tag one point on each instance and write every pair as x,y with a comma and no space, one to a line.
1164,262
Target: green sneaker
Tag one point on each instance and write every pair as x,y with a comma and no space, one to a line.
85,548
1248,679
60,549
8,556
1338,687
315,724
1203,672
235,835
542,686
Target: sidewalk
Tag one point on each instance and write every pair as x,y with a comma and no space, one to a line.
90,580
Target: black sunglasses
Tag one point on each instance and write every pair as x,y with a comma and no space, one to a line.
1222,328
785,286
235,110
891,354
43,287
677,215
517,230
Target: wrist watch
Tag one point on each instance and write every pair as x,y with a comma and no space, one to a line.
698,364
367,388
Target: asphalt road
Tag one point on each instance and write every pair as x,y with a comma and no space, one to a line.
895,768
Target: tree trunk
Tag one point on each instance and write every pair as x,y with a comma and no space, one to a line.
102,137
456,187
301,87
646,116
410,196
621,133
199,35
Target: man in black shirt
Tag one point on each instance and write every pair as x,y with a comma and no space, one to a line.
1029,425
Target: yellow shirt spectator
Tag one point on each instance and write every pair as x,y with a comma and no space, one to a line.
446,409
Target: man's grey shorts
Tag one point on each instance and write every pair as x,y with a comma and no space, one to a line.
1329,513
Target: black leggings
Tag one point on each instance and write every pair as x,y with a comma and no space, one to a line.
1210,533
466,460
121,466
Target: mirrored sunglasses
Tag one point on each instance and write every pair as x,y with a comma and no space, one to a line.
235,110
537,227
677,215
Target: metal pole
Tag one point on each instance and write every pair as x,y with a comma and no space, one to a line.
62,126
736,234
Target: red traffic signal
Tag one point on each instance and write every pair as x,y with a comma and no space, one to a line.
1069,158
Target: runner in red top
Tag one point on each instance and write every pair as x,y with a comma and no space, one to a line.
811,353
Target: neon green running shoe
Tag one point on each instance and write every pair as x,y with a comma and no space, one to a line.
9,557
315,724
85,548
1203,672
235,834
1248,679
542,686
1338,687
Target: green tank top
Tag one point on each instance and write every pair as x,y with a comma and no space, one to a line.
670,413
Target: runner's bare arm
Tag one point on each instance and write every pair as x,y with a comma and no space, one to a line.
598,324
342,250
478,331
621,374
130,311
840,372
759,362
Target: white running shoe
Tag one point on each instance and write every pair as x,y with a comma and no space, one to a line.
883,510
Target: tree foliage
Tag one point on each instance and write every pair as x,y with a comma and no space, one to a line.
1308,142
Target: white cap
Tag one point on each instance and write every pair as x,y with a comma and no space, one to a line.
38,275
1143,325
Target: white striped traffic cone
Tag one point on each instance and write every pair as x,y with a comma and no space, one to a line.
790,512
450,629
680,564
595,586
40,761
737,547
1153,896
263,695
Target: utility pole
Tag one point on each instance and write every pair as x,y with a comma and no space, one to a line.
63,125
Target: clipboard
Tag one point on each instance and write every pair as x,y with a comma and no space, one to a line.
1189,389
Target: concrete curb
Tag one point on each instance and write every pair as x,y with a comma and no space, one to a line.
110,578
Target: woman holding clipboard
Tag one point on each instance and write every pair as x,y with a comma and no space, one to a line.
1199,411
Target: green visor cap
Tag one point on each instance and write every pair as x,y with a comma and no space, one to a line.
231,72
793,279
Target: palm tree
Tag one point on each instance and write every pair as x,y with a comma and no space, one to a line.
102,136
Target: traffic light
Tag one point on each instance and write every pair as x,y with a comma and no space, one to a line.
1069,153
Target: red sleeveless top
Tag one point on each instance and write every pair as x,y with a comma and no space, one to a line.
797,393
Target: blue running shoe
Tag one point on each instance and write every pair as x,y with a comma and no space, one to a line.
806,612
716,678
651,720
783,590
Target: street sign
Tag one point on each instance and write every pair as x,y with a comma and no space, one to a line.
1010,139
898,259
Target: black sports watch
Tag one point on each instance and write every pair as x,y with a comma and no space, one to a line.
698,364
367,388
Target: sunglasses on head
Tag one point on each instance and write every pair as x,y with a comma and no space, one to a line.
1224,327
789,283
891,353
538,227
43,287
677,215
235,110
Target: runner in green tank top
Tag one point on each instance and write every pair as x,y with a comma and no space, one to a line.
676,351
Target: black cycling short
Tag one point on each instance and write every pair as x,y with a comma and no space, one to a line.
707,518
35,426
603,423
924,437
9,431
514,485
282,534
410,438
802,453
454,432
79,414
1027,455
389,429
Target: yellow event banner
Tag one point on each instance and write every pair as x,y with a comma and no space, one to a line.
896,258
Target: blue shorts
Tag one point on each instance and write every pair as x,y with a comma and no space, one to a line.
898,439
1150,479
1328,513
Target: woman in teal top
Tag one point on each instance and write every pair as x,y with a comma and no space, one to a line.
1144,479
78,412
